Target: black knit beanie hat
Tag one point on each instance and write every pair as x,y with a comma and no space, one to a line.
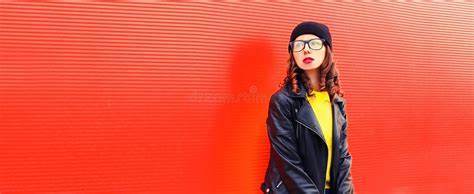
310,27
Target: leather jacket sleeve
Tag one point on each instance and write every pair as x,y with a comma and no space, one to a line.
284,147
344,173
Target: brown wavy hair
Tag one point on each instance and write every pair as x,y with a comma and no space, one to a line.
328,73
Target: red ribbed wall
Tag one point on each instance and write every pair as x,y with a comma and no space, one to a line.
172,97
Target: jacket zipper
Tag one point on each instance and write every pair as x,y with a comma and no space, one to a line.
278,185
297,132
314,132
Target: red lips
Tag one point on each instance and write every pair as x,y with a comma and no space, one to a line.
308,60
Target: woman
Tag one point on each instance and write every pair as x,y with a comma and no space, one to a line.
307,121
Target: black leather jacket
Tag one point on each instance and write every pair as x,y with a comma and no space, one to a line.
298,152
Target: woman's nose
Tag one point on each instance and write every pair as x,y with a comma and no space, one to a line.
306,49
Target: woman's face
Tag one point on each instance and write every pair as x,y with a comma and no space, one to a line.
308,58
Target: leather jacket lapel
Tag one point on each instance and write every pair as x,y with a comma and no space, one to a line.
338,118
336,124
307,118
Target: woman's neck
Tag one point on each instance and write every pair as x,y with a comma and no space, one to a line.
314,76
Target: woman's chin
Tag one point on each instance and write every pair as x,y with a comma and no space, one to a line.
308,66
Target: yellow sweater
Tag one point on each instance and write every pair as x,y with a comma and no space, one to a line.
321,105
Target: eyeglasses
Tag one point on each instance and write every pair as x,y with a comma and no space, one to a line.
314,44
